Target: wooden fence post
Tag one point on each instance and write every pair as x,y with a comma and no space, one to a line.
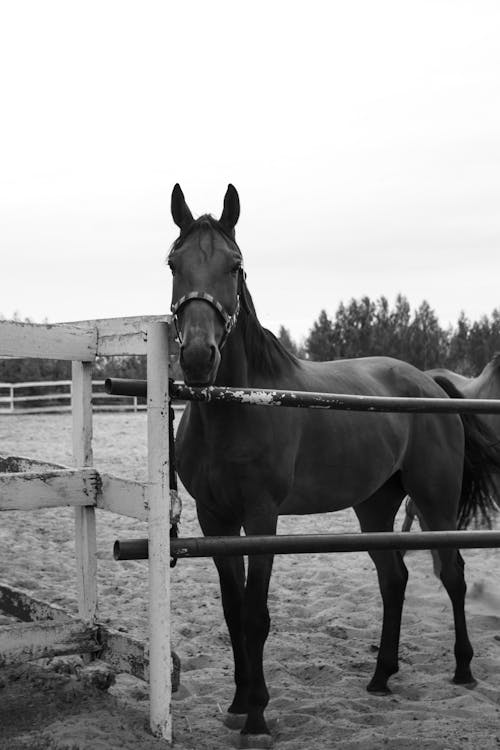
160,662
85,531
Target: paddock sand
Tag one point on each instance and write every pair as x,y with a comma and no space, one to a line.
326,617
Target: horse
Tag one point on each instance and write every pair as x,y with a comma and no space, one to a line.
245,465
485,385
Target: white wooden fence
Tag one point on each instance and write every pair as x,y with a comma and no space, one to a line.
27,484
55,396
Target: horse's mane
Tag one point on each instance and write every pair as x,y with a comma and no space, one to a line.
266,355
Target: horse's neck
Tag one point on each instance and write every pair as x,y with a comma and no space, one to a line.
216,424
487,383
233,368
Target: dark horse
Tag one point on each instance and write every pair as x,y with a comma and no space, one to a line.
245,465
485,385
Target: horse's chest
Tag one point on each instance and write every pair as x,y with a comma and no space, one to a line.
227,458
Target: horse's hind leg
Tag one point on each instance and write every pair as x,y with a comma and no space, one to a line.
378,514
411,511
452,576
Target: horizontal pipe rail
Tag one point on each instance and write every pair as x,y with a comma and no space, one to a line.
126,387
305,399
224,546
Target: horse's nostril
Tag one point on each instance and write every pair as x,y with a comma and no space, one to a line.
213,352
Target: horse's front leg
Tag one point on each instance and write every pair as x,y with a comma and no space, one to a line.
256,623
232,585
231,572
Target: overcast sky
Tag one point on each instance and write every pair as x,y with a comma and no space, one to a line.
363,138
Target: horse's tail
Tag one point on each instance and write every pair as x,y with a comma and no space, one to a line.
479,498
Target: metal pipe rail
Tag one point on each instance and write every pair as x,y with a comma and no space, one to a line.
137,549
223,546
306,399
126,387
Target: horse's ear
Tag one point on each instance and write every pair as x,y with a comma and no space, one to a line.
180,211
231,211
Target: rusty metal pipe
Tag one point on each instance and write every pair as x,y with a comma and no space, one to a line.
306,399
220,546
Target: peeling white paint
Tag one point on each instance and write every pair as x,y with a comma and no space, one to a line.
257,397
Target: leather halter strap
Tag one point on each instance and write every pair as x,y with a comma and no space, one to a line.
229,320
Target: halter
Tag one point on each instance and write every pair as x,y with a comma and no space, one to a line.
229,320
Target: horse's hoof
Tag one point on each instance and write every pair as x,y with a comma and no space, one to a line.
234,721
378,690
467,682
256,741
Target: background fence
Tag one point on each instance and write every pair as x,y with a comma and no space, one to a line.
55,396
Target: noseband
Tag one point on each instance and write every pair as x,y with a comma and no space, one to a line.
228,319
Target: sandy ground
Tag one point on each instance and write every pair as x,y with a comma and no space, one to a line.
326,616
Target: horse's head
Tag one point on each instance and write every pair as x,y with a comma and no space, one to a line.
206,266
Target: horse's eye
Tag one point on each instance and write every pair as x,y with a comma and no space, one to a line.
235,269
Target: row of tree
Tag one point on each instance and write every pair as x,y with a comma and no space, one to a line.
368,327
361,328
34,370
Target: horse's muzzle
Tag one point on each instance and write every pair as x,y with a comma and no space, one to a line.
199,363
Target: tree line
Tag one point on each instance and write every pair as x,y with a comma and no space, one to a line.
361,328
366,327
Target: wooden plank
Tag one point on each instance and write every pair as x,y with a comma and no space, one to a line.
43,383
80,340
124,653
127,654
159,540
40,383
123,496
59,341
121,336
27,641
37,410
48,489
65,409
13,464
85,526
26,607
43,397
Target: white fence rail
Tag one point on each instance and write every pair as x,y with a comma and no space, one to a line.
55,396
